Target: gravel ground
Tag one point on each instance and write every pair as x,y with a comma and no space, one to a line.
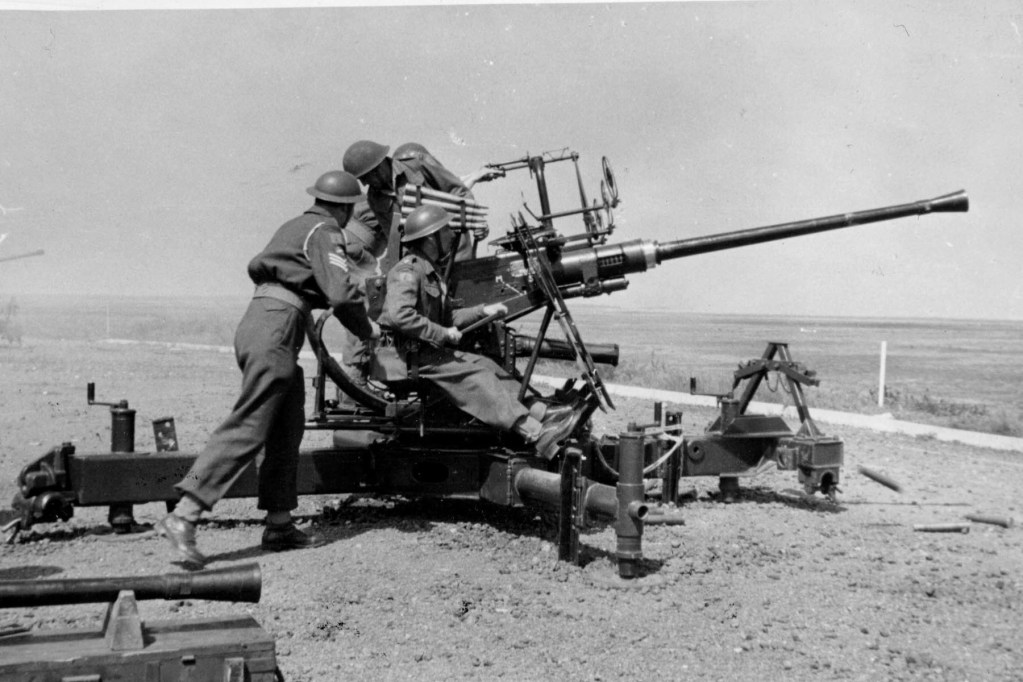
773,586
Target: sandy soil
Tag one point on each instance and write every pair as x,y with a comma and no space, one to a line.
774,586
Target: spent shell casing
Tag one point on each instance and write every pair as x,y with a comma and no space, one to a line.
1003,521
942,527
880,478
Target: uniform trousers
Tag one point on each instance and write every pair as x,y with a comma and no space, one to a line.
268,417
355,352
474,383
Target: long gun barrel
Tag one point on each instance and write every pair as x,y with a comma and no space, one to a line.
584,270
957,202
235,583
616,260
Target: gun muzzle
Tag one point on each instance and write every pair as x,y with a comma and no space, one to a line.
956,202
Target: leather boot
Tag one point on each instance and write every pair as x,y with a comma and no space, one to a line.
287,536
541,411
556,428
555,410
181,534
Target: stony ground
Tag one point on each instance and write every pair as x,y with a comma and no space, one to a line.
773,586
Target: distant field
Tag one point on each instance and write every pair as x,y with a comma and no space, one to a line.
959,373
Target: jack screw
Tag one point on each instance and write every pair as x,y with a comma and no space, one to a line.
122,439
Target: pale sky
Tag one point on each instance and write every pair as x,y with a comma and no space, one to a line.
155,151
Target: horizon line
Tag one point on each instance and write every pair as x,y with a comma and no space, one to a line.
591,304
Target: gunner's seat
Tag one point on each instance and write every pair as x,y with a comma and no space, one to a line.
387,368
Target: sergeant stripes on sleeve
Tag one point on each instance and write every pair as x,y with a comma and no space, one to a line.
338,260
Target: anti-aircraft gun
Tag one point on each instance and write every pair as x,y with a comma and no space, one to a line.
403,439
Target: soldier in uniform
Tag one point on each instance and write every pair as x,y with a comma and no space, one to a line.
410,152
416,156
419,312
385,176
304,266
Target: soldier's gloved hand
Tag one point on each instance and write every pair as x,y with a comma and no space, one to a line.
495,309
487,174
376,331
453,335
482,175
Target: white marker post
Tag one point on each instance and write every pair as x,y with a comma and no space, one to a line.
880,381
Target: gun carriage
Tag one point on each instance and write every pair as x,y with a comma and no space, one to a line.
402,439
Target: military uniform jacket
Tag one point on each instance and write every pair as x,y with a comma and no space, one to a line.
417,305
307,256
385,205
367,217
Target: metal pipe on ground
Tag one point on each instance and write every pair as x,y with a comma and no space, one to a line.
234,583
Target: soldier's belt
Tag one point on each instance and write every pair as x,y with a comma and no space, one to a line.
283,294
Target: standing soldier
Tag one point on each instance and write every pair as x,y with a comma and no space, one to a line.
420,313
303,267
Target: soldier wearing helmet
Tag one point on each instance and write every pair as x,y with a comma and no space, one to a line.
416,156
413,152
386,174
304,266
420,314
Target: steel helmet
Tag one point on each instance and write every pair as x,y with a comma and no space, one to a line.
336,187
363,156
410,150
424,221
